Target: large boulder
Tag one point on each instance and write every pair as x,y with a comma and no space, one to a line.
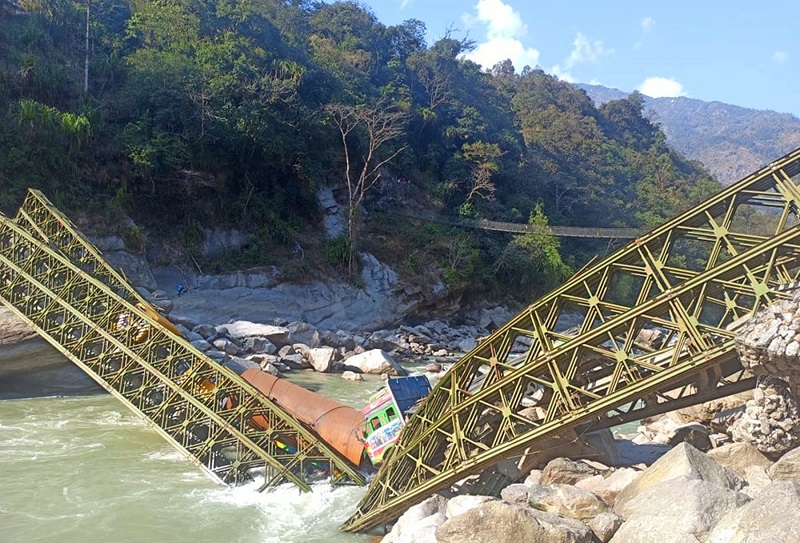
787,468
682,461
770,516
419,522
302,332
676,510
499,522
566,471
375,361
608,486
277,335
321,358
605,525
739,457
463,503
571,501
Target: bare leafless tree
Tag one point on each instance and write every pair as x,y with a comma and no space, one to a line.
364,130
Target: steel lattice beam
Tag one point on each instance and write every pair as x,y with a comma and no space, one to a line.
200,407
656,316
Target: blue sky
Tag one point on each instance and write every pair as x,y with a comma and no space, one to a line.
740,52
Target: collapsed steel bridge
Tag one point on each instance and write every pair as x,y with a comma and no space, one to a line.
57,281
685,286
655,328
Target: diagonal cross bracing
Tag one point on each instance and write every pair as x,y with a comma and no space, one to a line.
43,220
200,407
648,328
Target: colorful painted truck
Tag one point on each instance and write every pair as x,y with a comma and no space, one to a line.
386,413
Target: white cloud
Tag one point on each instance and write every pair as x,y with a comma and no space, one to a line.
583,51
504,28
780,57
405,3
659,87
647,24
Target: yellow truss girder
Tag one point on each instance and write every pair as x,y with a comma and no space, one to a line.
58,282
652,329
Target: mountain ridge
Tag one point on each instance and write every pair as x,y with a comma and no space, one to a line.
729,140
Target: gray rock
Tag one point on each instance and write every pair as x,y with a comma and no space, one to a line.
460,504
278,335
239,365
216,355
770,516
320,358
408,522
738,457
258,345
201,345
564,470
296,361
206,330
571,501
226,346
516,494
499,522
376,362
679,507
302,332
182,320
605,525
787,468
682,461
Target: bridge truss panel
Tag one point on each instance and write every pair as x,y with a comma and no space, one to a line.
648,329
199,406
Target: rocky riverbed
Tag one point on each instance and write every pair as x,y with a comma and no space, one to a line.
723,471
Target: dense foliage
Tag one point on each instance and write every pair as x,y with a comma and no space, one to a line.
227,113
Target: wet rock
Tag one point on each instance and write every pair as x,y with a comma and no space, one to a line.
352,376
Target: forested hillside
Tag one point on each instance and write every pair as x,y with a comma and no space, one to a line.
730,141
231,114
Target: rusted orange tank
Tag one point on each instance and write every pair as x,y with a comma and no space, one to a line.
340,426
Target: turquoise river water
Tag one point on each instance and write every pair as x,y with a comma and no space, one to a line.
86,469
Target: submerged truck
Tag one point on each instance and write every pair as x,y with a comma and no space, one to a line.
387,412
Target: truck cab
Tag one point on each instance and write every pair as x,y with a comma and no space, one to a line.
387,412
